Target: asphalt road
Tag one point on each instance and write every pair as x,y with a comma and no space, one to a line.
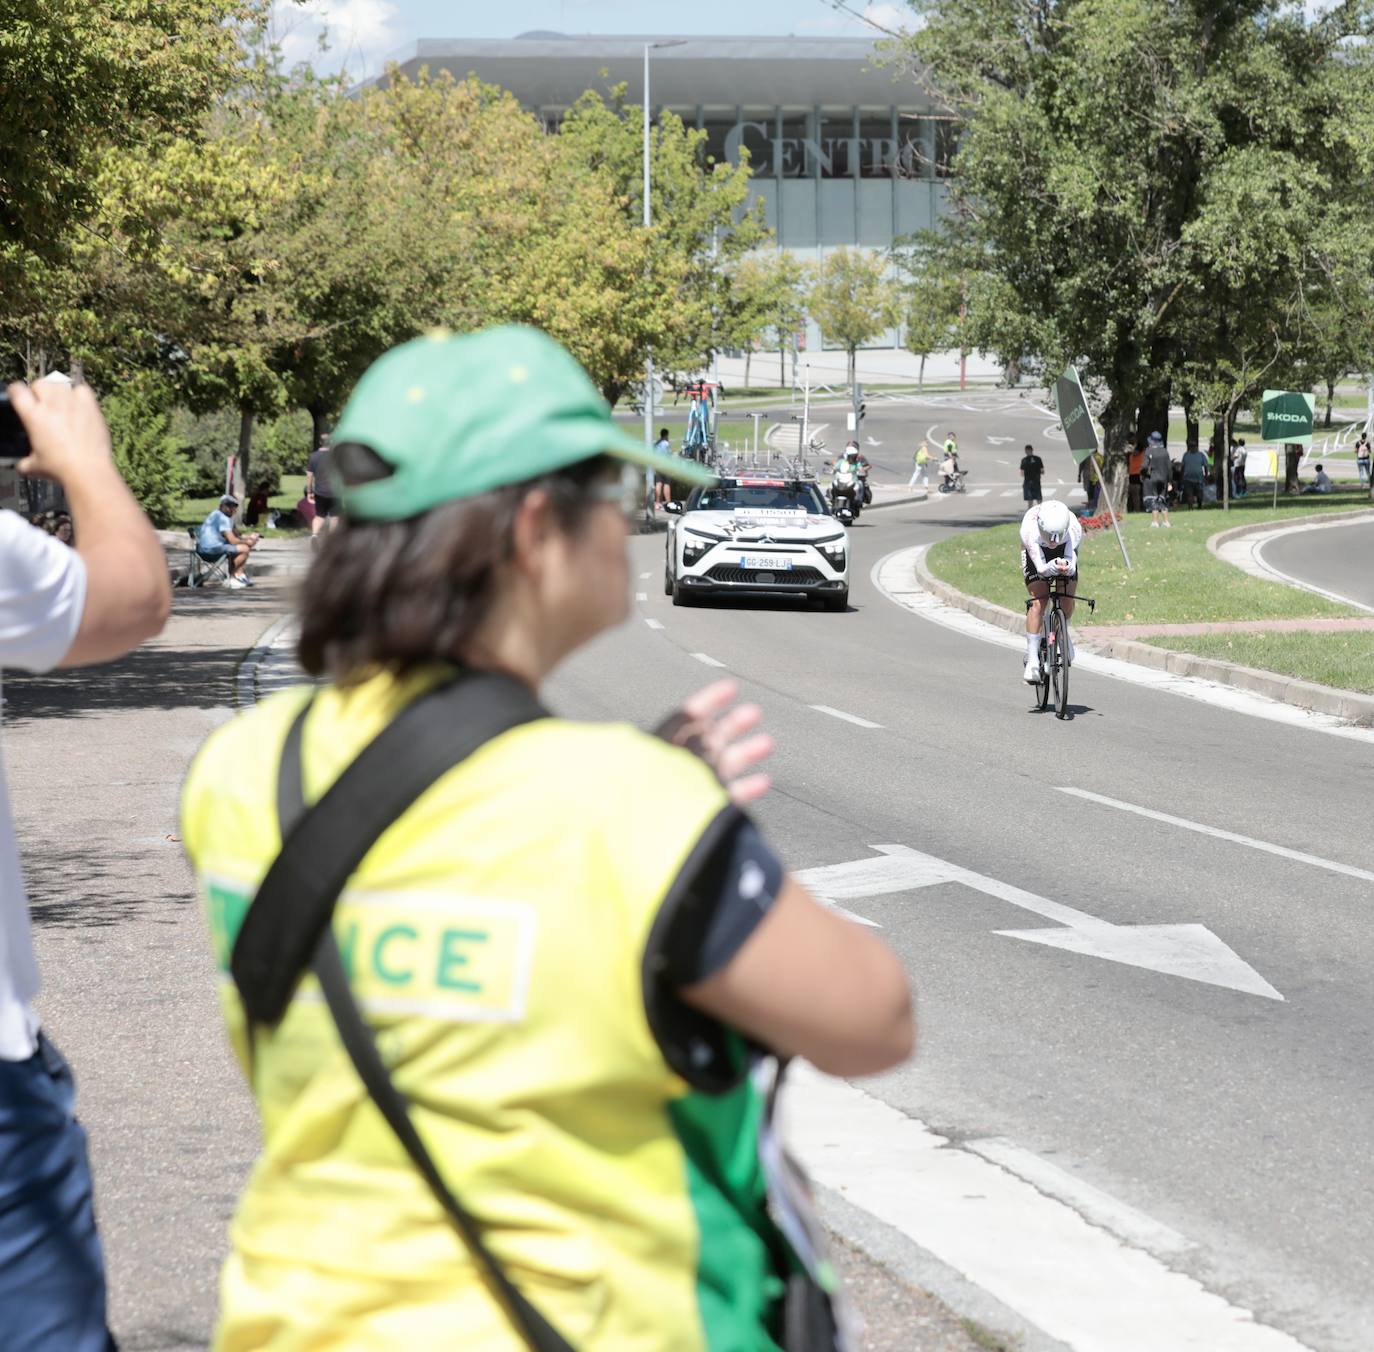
1337,559
1245,1123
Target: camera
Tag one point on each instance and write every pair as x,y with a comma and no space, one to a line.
14,440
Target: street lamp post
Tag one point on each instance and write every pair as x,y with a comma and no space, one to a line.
648,221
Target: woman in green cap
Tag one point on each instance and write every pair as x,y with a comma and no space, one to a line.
571,950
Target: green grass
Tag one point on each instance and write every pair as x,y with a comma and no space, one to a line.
1176,580
1343,660
195,510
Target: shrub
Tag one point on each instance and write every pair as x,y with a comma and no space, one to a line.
152,460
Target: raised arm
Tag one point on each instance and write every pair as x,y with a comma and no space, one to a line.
128,592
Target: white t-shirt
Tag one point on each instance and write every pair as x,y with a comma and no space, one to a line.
42,595
1035,547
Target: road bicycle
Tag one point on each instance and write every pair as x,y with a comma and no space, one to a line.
1054,651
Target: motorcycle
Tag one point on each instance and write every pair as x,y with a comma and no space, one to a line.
846,494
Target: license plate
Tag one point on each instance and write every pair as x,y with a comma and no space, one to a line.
774,563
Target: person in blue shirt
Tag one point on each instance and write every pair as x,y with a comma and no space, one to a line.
217,539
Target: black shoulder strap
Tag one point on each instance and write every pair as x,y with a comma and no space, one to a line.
322,847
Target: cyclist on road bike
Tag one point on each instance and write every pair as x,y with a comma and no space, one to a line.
1050,535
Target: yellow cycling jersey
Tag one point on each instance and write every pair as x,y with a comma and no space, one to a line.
496,938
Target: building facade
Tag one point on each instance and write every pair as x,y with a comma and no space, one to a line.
845,151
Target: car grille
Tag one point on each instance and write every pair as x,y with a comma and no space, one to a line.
789,577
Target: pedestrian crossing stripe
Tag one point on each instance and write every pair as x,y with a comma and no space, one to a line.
979,492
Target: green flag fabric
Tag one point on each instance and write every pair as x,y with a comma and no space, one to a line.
1287,417
1074,417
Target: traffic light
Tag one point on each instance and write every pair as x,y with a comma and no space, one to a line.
863,408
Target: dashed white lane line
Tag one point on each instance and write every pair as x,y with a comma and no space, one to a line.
848,718
644,577
641,596
979,492
1283,851
708,661
1044,1259
654,624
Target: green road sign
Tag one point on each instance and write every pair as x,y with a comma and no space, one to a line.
1287,417
1074,417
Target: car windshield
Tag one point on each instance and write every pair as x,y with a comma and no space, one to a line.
772,497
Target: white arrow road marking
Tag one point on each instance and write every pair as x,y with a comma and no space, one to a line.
1190,951
871,442
1283,851
1076,1282
1000,441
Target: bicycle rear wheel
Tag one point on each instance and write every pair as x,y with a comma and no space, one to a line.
1059,668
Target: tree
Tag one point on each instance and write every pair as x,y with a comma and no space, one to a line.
765,293
676,305
151,459
852,300
80,76
1131,178
930,306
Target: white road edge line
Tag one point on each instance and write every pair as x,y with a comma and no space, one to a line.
709,661
654,624
1282,851
848,718
1068,1277
894,577
1101,1208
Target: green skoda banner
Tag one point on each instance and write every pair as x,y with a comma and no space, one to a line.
1074,417
1287,417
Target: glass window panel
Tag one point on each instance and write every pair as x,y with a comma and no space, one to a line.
877,149
836,147
913,140
946,146
789,155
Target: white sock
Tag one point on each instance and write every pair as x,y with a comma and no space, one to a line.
1032,647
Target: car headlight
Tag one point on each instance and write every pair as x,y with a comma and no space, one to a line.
695,544
834,551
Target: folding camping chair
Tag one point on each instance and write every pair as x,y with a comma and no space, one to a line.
201,572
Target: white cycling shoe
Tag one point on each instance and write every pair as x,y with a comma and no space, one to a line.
1032,672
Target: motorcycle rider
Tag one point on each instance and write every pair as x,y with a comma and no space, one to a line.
858,461
1050,535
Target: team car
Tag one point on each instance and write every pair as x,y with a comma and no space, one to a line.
757,536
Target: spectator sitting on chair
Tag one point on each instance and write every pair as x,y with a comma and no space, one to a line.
1321,484
217,539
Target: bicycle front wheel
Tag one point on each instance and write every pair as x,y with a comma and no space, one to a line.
1059,668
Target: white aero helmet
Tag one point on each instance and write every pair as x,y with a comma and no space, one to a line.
1053,519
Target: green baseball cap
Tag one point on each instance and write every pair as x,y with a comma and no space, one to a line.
455,415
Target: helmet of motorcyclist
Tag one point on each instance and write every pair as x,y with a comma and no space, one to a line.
1053,519
852,450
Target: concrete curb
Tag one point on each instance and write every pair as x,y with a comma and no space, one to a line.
1214,542
1349,705
246,677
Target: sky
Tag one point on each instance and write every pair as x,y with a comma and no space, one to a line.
364,33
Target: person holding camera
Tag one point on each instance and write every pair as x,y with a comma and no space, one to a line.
60,606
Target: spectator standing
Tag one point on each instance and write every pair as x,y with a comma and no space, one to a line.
951,448
1092,484
1239,486
59,607
217,539
581,1078
921,469
1032,471
1362,458
320,491
1135,465
1155,473
1193,472
663,486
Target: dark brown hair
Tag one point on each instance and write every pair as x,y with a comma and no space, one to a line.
396,595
